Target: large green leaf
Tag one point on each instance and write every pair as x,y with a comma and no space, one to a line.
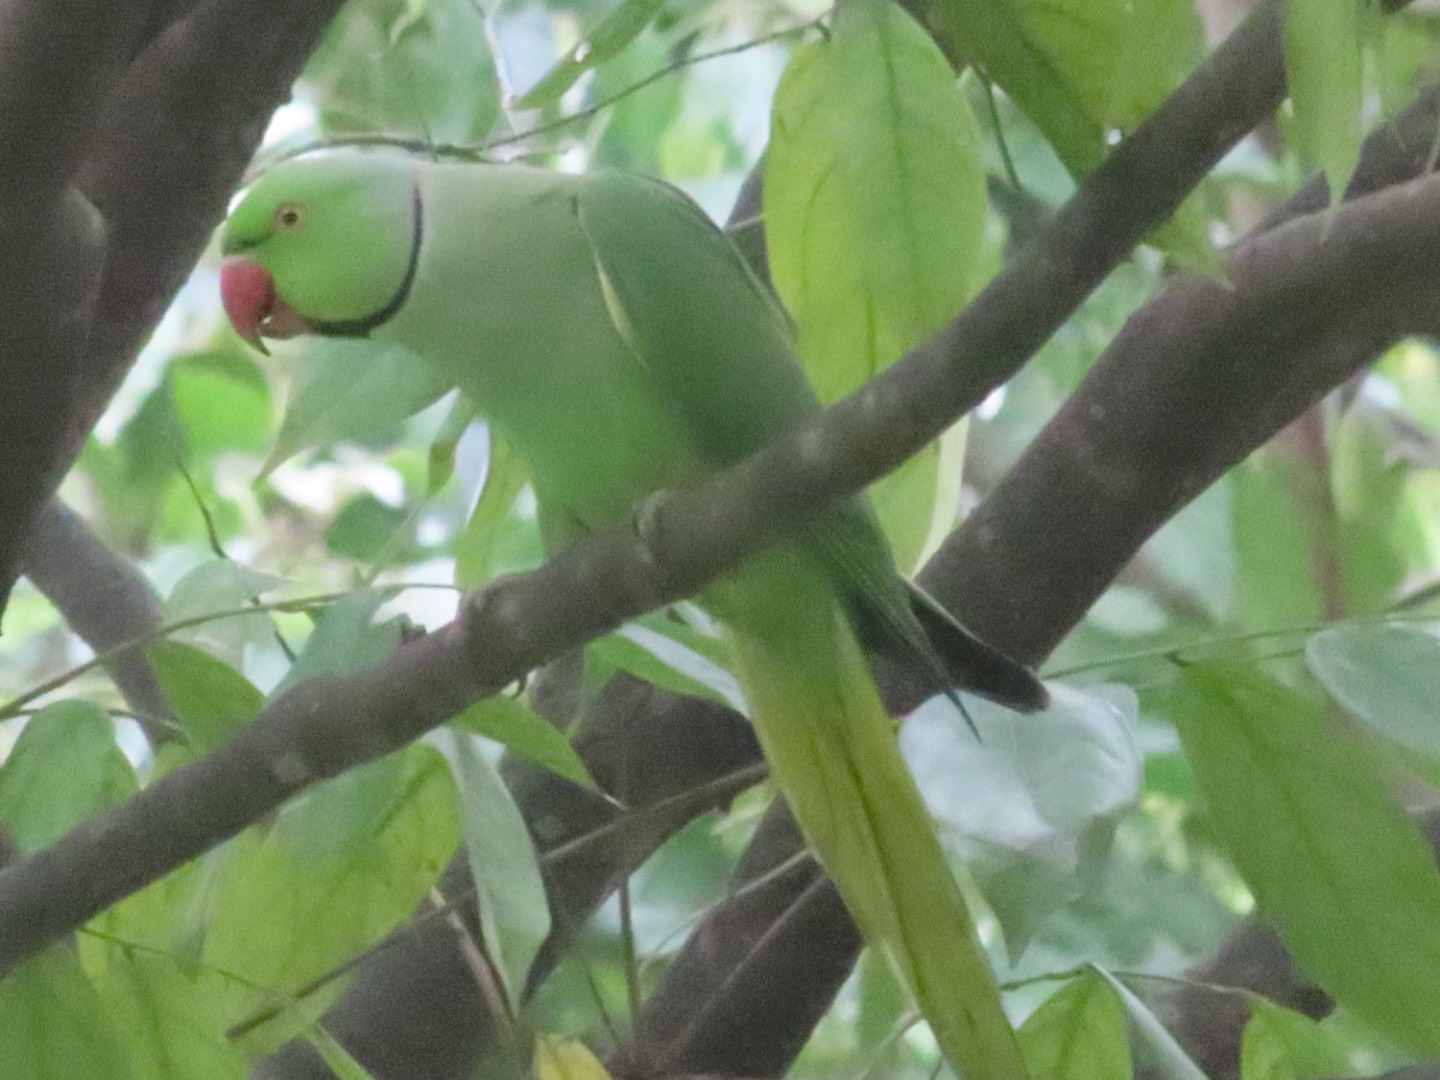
1078,68
668,654
342,866
1387,676
63,768
1376,524
1275,545
603,41
352,390
346,637
1031,804
1167,1057
481,551
1334,864
211,700
222,586
514,913
52,1026
516,726
875,211
169,1020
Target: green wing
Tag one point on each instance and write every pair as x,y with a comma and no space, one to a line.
711,337
717,346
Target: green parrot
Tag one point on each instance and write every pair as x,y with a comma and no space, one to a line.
615,338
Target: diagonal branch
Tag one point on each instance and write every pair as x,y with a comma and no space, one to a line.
57,60
106,600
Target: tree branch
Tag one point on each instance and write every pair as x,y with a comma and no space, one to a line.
167,139
104,599
57,61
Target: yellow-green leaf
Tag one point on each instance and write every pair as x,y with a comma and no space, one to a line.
566,1059
1078,1033
875,211
1325,68
1334,864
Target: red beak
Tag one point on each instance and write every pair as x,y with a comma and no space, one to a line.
248,292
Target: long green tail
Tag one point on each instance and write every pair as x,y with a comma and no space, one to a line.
832,749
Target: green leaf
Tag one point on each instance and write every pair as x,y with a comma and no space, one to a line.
1341,871
607,39
1031,804
210,698
479,551
365,528
404,67
515,726
168,1021
660,651
1078,1033
222,585
1168,1059
341,867
352,391
1325,69
64,768
441,456
53,1024
346,637
885,1014
1078,68
875,211
340,1061
1386,676
221,401
627,138
1275,545
1369,483
1282,1045
514,913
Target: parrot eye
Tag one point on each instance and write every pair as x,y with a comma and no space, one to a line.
287,217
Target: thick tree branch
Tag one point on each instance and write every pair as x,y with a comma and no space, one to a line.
166,140
1198,379
57,62
57,58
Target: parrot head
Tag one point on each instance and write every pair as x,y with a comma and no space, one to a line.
325,244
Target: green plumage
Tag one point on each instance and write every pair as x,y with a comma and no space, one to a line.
616,340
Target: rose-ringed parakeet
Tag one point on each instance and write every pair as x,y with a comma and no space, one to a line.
616,339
